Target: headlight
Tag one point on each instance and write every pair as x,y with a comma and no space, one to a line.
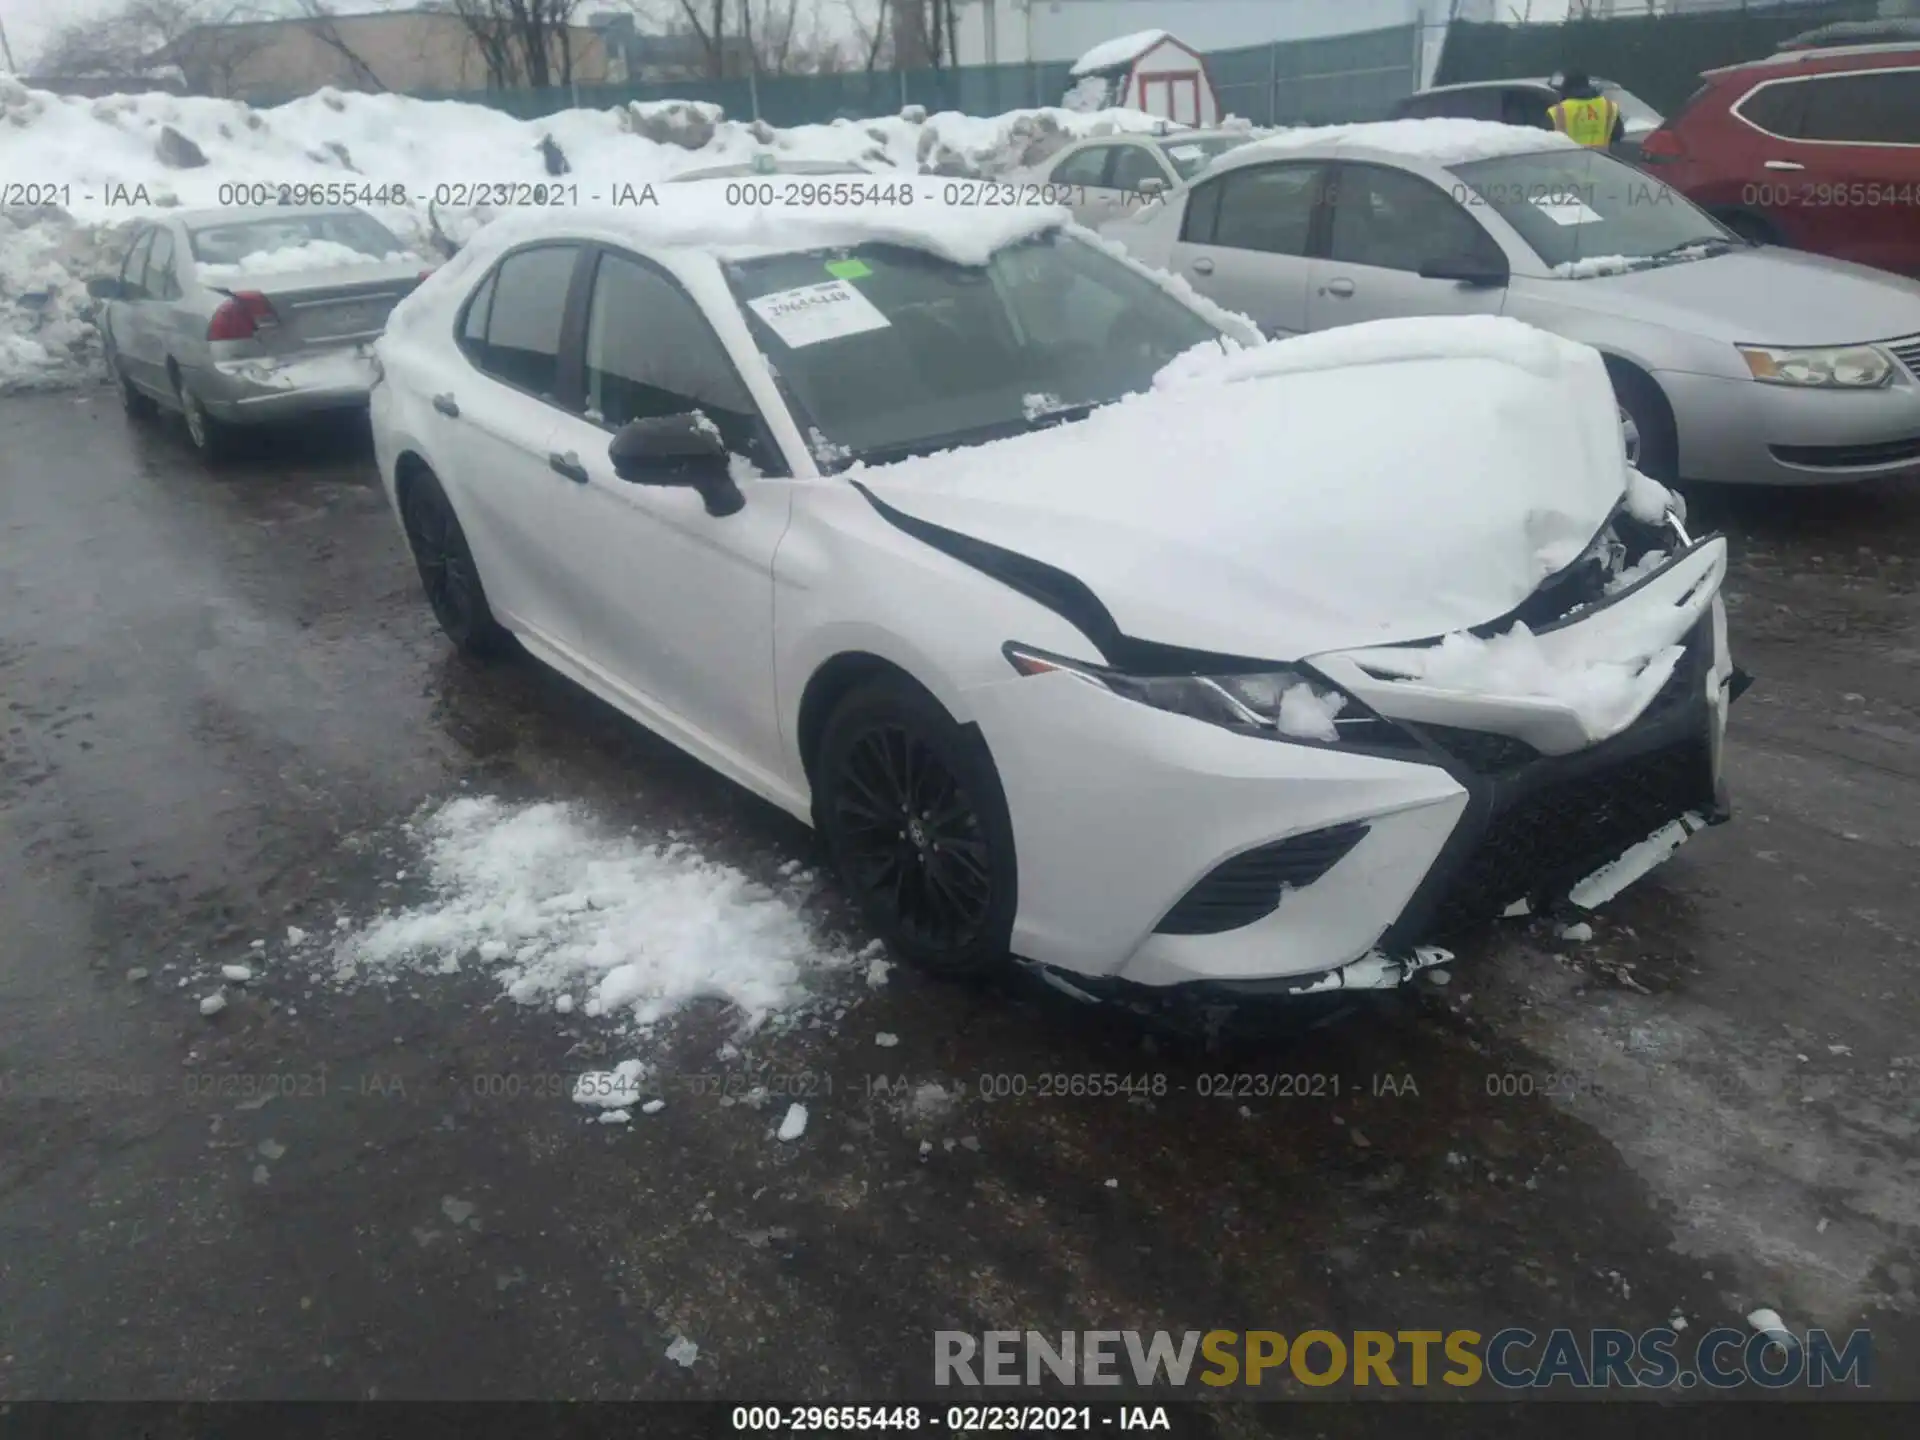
1846,367
1282,701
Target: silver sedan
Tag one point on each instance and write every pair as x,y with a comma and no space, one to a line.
238,317
1731,361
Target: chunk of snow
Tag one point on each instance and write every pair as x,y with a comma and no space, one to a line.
1577,933
614,1117
886,1041
1113,1184
295,259
213,1004
683,1352
1647,499
653,1107
239,974
1769,1324
642,930
1121,50
795,1123
1308,714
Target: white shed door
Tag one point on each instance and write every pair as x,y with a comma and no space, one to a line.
1172,95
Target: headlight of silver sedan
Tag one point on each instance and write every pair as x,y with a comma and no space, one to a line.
1843,367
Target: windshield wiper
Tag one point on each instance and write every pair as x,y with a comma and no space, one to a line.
976,435
1707,243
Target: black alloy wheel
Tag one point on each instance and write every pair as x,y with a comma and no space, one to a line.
913,814
447,571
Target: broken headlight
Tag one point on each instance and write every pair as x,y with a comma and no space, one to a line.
1279,701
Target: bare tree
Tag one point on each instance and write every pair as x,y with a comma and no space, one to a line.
926,32
710,31
520,42
320,16
206,39
871,36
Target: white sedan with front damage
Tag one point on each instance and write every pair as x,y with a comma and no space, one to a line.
245,317
1083,624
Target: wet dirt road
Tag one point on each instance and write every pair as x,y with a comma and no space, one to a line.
222,699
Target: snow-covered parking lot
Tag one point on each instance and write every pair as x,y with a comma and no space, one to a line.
374,1023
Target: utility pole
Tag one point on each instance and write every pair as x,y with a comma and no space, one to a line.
753,59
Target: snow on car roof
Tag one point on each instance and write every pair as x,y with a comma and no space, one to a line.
1108,54
1443,141
709,216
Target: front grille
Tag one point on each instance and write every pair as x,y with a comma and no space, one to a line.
1845,457
1553,833
1481,751
1249,886
1908,352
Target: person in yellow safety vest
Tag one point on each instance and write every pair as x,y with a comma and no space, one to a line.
1584,115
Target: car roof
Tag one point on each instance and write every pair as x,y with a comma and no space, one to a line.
1823,58
1544,82
696,219
1441,142
205,219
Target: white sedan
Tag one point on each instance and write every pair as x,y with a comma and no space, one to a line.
1080,622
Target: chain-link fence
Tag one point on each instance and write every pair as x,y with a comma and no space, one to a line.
1658,56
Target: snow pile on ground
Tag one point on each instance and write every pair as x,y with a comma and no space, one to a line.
91,166
558,909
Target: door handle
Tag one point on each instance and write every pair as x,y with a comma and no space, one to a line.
1203,266
1342,288
568,465
447,405
1783,165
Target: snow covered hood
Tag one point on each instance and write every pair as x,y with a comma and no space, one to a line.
1378,484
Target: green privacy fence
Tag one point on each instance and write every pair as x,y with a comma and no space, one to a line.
1316,82
1347,77
1658,57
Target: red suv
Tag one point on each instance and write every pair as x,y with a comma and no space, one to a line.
1818,149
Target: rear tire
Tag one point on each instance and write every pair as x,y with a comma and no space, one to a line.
912,812
211,439
447,571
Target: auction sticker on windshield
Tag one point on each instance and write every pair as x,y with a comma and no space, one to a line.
814,313
1565,210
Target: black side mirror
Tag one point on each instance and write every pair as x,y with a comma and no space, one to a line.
681,450
1480,273
106,287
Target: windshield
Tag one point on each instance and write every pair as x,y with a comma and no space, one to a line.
886,351
1190,154
1636,112
230,244
1585,213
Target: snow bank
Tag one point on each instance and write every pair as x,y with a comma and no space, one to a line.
553,905
95,165
1442,141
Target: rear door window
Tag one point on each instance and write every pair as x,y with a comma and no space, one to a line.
133,271
1524,105
1084,167
1133,164
1876,107
160,283
528,301
1777,109
1268,208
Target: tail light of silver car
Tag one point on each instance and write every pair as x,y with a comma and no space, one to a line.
241,316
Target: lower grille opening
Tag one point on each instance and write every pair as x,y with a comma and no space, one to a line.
1249,887
1843,457
1553,833
1481,751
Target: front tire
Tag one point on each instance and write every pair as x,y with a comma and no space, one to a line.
447,571
137,403
1646,423
913,815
